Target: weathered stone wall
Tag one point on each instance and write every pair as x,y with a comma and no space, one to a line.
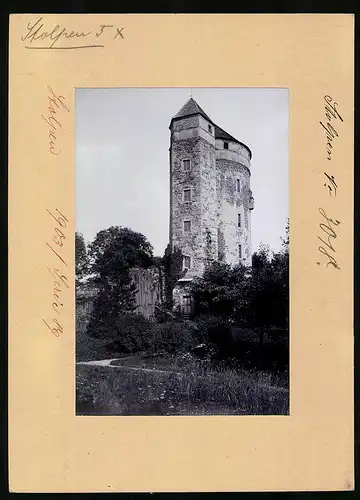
230,203
215,200
200,243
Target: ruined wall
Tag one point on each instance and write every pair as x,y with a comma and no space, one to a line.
149,290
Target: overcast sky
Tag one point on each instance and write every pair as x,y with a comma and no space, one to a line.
122,156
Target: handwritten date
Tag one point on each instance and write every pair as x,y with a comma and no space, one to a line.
59,279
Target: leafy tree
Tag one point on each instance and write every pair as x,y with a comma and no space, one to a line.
81,258
268,292
258,296
172,262
221,291
112,254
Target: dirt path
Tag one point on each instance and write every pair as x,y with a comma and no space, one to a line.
107,363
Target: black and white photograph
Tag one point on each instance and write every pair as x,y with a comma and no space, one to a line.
182,251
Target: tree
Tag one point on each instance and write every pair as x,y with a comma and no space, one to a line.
172,262
268,293
81,258
112,254
221,291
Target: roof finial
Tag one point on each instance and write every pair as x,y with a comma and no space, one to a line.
191,93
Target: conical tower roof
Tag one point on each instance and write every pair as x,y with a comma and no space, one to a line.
191,107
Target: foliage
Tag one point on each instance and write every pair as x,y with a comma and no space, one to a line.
174,337
191,390
268,293
258,297
81,258
215,333
112,254
127,333
220,291
172,262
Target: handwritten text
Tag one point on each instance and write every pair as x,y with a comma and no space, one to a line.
56,102
331,113
37,33
59,280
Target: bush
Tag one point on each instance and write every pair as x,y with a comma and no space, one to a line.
174,336
126,334
215,331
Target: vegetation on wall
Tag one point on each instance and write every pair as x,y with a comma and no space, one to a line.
172,263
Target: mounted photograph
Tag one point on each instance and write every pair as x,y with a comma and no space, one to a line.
182,251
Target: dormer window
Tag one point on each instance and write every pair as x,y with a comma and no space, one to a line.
186,165
226,145
210,129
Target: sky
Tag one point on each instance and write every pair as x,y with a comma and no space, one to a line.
122,156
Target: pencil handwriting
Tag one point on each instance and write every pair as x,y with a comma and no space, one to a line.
39,36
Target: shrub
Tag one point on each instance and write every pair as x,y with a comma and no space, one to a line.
216,331
174,336
127,333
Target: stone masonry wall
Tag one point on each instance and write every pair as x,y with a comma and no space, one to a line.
201,243
230,203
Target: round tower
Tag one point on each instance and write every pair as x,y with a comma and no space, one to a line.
210,196
234,199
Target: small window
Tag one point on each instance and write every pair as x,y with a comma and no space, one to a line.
239,220
186,262
226,145
186,165
187,304
187,226
240,252
238,185
210,129
187,195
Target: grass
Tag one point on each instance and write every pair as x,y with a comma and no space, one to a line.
178,386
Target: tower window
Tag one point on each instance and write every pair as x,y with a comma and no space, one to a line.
187,262
226,145
239,220
210,129
238,185
240,252
187,195
186,165
187,226
187,303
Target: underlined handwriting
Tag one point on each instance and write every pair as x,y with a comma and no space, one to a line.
39,35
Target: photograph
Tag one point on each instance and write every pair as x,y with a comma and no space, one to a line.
182,248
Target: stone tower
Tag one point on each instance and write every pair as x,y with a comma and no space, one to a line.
210,196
